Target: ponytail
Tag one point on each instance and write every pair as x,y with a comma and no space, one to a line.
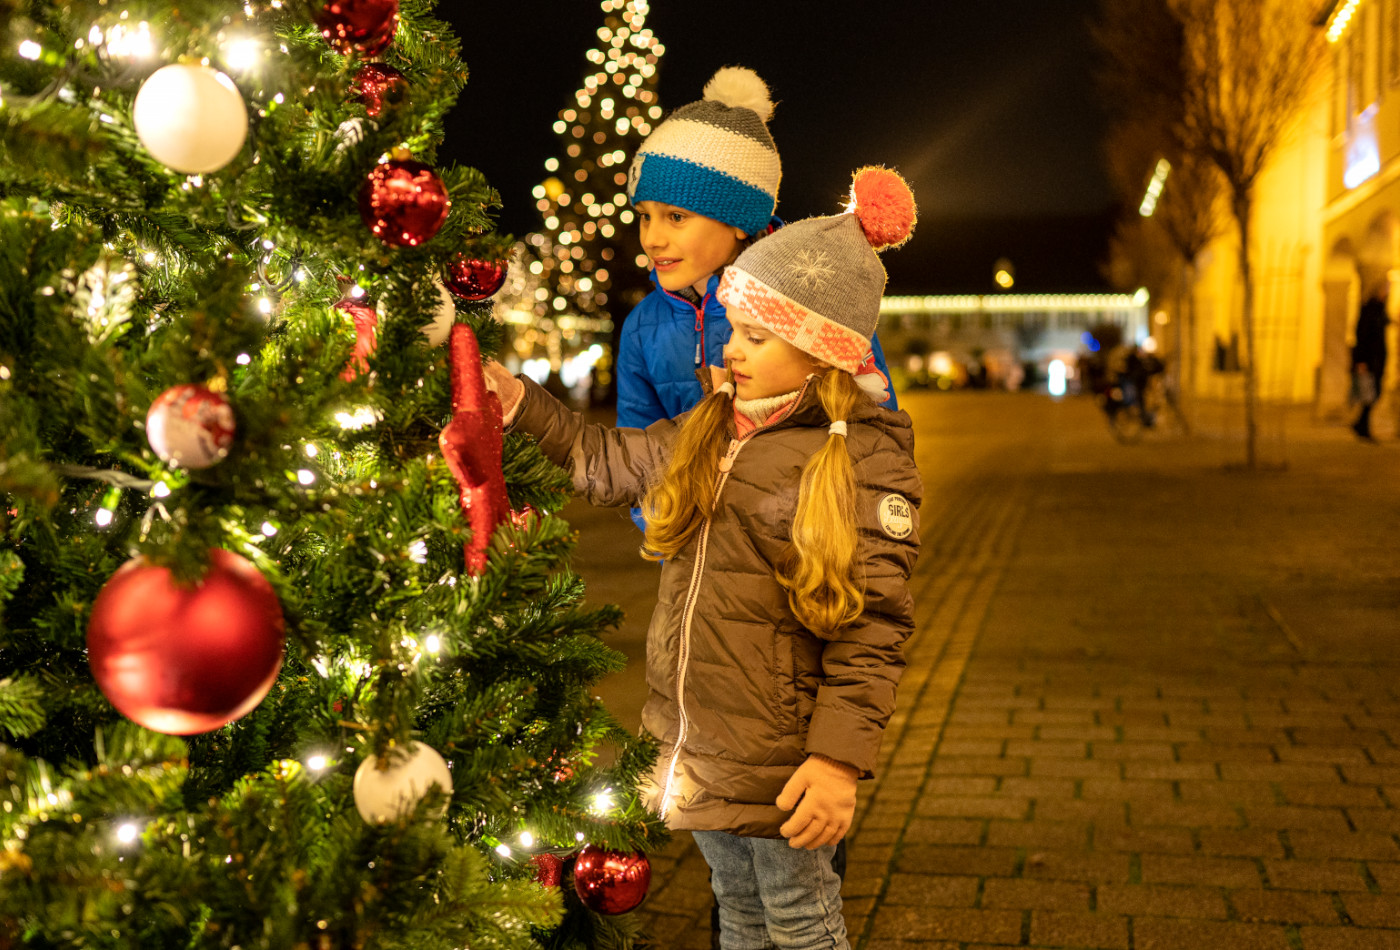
822,577
684,497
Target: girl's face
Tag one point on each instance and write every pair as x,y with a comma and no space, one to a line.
763,363
685,247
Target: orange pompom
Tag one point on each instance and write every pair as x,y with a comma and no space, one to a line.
884,205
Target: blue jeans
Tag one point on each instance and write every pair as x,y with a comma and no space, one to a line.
773,896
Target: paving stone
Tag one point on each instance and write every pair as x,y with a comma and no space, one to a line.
1216,872
1173,814
1057,929
1152,933
1331,820
955,925
1037,788
1160,840
1066,836
1283,907
1315,875
1358,845
1373,910
932,890
941,859
1349,938
1157,900
1022,893
967,831
1089,867
973,806
1243,843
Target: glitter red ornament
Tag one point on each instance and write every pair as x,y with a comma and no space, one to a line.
403,202
366,27
471,446
472,278
191,426
549,869
376,85
611,882
186,659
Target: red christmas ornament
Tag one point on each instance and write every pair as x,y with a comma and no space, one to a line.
549,869
366,323
471,445
376,85
190,426
473,279
366,27
611,882
183,660
403,202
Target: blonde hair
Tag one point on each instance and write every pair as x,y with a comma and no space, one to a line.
819,571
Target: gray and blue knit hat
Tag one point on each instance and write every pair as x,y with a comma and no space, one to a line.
714,157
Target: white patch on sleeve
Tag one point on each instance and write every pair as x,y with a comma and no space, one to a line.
896,516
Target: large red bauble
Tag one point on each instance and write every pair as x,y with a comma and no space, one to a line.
376,85
183,660
366,27
611,882
472,278
403,203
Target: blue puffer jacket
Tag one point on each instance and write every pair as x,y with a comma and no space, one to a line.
665,339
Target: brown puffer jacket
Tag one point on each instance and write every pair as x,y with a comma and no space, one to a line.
740,693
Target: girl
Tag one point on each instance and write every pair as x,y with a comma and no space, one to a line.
784,510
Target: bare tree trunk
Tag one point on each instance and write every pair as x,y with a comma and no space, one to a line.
1185,345
1242,207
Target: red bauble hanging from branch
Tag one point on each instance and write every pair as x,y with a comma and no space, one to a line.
472,278
611,882
190,425
403,202
186,659
471,446
376,85
366,27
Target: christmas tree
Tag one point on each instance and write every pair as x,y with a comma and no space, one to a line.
290,655
587,256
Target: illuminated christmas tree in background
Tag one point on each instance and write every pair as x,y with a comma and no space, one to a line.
588,257
290,656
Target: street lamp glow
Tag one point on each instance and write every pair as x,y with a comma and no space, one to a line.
1154,188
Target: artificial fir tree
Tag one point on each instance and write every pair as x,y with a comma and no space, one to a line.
290,653
589,252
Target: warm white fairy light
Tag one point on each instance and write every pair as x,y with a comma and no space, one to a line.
243,359
503,850
432,644
316,763
418,552
602,802
305,476
133,42
527,840
356,419
30,49
103,517
128,832
242,53
160,490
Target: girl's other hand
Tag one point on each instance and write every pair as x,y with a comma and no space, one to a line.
506,387
824,793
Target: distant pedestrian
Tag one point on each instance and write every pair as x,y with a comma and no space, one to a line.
785,510
1368,356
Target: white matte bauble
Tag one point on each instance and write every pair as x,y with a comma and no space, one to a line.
385,794
190,118
440,329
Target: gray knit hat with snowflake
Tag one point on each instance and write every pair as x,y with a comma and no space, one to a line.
817,283
714,157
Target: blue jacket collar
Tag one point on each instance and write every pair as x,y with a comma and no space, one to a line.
712,304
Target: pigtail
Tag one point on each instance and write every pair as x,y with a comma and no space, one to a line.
676,505
823,579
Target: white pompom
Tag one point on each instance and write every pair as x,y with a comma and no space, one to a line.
384,795
190,118
736,87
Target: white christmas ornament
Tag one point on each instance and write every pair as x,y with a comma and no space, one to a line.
190,426
384,794
190,118
440,329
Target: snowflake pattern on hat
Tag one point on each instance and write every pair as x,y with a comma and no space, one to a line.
813,268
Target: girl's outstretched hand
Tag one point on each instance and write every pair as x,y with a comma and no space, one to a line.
506,387
824,793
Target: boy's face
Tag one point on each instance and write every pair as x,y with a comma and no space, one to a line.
763,363
685,248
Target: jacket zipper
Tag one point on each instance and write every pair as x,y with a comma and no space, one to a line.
726,465
699,323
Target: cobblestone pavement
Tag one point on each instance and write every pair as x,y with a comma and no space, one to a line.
1151,701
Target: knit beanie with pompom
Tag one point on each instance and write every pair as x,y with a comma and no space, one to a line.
817,283
714,157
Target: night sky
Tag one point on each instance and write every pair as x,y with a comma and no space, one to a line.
988,109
